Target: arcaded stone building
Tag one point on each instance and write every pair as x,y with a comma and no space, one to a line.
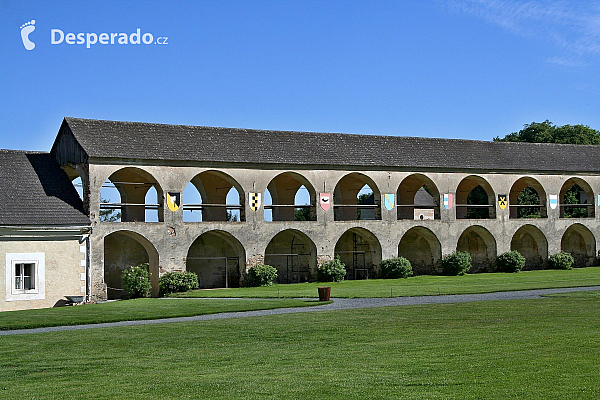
366,198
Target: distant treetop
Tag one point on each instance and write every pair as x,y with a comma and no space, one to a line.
547,132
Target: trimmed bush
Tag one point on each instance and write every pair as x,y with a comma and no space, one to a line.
561,260
457,263
511,261
173,282
136,281
395,268
261,275
332,271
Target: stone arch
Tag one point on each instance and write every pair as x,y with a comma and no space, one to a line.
124,249
417,191
345,198
284,190
581,243
422,248
532,244
133,186
480,243
218,198
218,258
475,199
294,255
578,192
360,250
524,189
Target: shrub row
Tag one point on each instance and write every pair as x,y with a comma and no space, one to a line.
173,282
136,282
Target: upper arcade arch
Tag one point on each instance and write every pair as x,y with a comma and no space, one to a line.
356,197
417,193
213,196
292,198
131,194
527,199
576,199
475,199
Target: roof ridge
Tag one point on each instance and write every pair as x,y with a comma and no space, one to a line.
7,151
361,135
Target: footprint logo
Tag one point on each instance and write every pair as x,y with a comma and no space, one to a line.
26,29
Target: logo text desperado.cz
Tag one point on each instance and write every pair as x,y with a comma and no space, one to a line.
57,36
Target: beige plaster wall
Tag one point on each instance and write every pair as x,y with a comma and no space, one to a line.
64,270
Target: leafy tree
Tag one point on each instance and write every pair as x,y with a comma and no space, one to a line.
572,196
109,215
528,196
547,132
231,217
477,196
364,198
302,214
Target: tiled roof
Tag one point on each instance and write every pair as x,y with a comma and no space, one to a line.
114,139
34,190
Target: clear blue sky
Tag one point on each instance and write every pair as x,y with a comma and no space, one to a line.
456,69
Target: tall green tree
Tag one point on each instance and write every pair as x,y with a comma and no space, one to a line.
547,132
302,214
572,197
528,196
109,215
478,196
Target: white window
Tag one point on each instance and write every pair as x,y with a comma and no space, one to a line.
25,276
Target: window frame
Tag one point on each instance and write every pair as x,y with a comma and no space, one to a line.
39,267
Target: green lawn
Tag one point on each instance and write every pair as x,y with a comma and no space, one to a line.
423,285
518,349
129,310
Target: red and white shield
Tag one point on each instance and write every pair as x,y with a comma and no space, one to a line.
325,200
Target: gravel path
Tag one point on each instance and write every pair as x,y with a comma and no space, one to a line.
338,304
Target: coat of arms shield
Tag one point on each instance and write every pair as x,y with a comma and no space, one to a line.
173,201
502,202
553,200
254,201
389,201
447,201
325,200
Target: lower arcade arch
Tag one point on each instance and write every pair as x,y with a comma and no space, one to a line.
125,249
217,258
360,251
532,244
422,248
294,255
580,242
481,245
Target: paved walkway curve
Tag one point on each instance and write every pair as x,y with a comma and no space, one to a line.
338,304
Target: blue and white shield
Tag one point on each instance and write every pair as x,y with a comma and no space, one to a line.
553,200
389,201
